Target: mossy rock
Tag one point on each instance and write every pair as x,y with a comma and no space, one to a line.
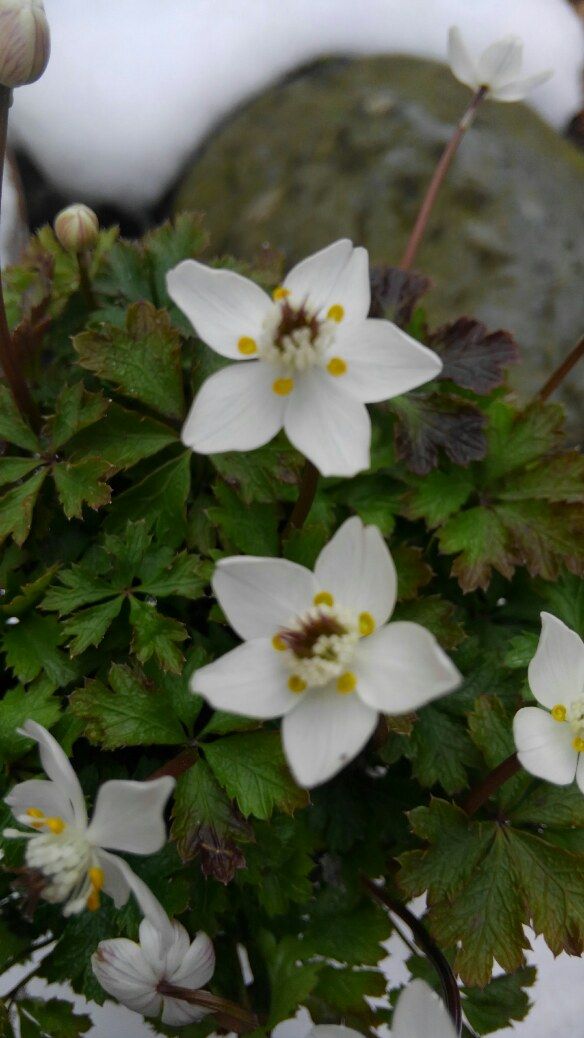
347,148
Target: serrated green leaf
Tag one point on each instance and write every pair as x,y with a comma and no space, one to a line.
122,438
345,990
558,478
13,428
253,770
518,438
76,409
305,545
32,646
82,483
79,587
186,575
491,1008
161,497
354,937
439,495
183,238
13,469
47,1019
17,506
89,626
18,706
440,750
412,571
290,982
441,617
482,541
270,473
252,529
156,635
521,650
128,713
205,824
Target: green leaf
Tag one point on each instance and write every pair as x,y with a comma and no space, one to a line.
13,428
440,750
129,713
441,617
122,438
161,498
559,478
521,650
482,540
280,862
80,587
518,438
205,823
186,575
89,626
82,483
290,982
439,495
374,500
13,469
16,508
142,360
156,635
16,707
253,770
176,240
412,571
264,475
491,1008
32,646
46,1019
252,529
492,731
76,409
354,937
345,990
305,545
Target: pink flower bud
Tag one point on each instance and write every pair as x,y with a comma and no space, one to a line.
25,43
76,228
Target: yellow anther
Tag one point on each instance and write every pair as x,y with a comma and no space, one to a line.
366,624
336,313
283,386
96,878
278,643
247,346
578,744
337,366
324,598
56,825
296,684
280,292
347,683
559,713
93,901
35,812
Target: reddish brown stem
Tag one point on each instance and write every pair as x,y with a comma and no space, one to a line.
8,359
176,766
227,1014
438,179
306,495
558,376
494,780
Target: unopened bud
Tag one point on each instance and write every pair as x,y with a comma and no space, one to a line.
25,42
76,228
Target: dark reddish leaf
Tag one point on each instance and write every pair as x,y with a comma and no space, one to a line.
219,857
395,292
474,358
427,423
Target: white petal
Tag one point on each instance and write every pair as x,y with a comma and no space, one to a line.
120,880
401,667
461,63
163,949
123,972
501,62
419,1013
332,1031
56,765
383,362
251,680
258,596
580,772
544,746
329,427
222,306
324,733
177,1013
336,275
357,569
556,672
235,410
520,88
129,816
197,965
42,794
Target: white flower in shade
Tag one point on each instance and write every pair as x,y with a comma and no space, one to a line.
318,650
67,852
309,359
134,973
419,1013
550,742
497,70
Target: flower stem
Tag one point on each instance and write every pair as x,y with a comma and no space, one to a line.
438,179
306,495
494,780
85,281
176,766
227,1014
561,372
427,946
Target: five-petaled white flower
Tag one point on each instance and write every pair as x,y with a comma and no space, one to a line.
497,70
66,851
550,742
134,973
419,1013
319,651
310,359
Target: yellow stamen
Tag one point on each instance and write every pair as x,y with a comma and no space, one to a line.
337,366
559,713
296,684
336,313
278,643
366,624
247,346
347,683
280,293
96,878
56,825
35,812
283,386
324,598
93,901
578,744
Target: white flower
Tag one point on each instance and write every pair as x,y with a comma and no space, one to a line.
69,854
497,70
310,359
550,742
132,973
318,650
419,1013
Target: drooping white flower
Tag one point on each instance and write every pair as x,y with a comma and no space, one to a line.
70,854
550,742
318,650
132,972
419,1013
497,70
310,359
